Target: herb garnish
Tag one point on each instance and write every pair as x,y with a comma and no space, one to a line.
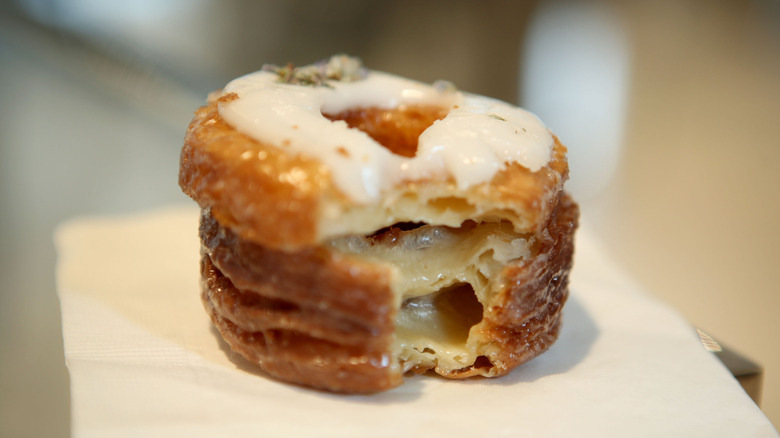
341,68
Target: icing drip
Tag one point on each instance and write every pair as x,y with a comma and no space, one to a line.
476,139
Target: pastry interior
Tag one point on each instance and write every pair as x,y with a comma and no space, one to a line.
444,276
442,279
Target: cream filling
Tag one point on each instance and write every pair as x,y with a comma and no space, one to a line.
442,280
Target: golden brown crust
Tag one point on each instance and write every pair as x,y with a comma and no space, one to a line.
287,345
250,195
278,199
342,294
396,129
523,319
321,319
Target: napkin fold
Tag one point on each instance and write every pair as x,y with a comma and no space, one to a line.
145,361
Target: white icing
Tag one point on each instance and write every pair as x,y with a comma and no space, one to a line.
473,142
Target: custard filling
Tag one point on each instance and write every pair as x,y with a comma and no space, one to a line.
442,281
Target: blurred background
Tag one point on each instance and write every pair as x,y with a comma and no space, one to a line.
670,110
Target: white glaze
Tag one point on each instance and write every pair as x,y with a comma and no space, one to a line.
473,142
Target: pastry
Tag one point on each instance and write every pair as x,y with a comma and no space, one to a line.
356,226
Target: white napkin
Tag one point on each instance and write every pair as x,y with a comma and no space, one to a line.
144,360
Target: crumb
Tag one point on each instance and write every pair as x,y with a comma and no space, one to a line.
229,97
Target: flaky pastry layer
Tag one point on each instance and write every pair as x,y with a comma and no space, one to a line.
340,317
289,201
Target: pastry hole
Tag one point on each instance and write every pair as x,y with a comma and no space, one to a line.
380,235
441,318
482,362
396,129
